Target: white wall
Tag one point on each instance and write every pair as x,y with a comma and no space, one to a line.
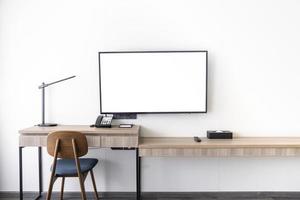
253,84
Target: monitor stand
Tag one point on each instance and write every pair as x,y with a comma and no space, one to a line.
125,116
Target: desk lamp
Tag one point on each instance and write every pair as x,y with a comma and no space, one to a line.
42,87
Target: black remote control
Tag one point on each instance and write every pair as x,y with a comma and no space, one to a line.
197,139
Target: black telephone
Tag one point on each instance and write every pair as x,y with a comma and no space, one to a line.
103,121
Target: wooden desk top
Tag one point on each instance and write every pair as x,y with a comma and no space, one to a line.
86,129
245,142
237,147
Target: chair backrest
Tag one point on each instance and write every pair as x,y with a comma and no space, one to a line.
64,141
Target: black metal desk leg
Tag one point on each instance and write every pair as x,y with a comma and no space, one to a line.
138,175
40,172
20,173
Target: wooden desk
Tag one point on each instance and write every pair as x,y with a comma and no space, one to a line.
238,147
241,147
159,146
115,137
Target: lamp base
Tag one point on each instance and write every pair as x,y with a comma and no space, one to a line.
47,124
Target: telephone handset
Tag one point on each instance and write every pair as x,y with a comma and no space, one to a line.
103,121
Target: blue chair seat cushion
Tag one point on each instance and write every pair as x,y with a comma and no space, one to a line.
67,167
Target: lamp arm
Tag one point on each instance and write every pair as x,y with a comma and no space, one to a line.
48,84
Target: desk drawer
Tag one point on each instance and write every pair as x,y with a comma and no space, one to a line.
94,141
32,140
119,141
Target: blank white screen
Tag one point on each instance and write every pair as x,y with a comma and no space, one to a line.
153,82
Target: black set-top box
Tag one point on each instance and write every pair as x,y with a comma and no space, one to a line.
219,134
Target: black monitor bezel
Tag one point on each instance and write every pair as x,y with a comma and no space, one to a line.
168,112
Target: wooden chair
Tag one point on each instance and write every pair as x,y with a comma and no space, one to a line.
69,146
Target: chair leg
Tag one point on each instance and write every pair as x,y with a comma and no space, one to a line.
53,177
52,180
83,195
94,184
84,175
81,181
62,188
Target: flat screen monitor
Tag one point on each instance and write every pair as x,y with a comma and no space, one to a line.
153,82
